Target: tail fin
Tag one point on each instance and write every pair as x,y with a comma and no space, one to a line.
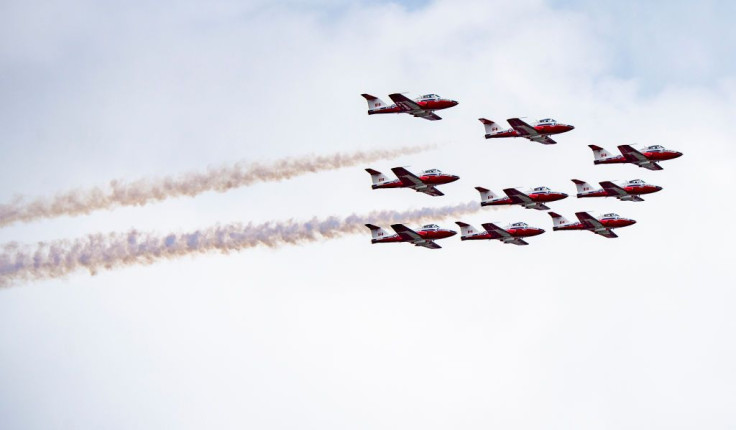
377,232
582,186
599,153
374,103
377,177
486,195
490,126
558,220
466,229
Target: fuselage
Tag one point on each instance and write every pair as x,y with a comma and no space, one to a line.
651,154
429,234
428,104
525,231
608,222
545,129
630,188
429,179
538,195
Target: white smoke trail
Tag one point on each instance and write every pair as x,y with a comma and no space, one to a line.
143,191
113,250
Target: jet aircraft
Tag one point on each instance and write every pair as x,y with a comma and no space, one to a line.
628,192
645,157
424,183
601,225
539,132
512,233
423,237
421,107
532,199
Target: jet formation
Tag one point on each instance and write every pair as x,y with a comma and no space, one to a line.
536,198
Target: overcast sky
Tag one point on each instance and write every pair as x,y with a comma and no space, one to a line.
573,331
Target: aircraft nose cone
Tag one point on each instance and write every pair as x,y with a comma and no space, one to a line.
572,127
633,221
451,232
455,178
454,102
658,188
563,195
540,230
678,154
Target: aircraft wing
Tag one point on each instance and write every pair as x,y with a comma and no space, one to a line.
432,191
405,102
520,198
594,225
529,132
606,233
428,244
427,115
412,236
523,128
542,138
495,231
412,107
518,241
636,157
407,178
411,180
406,233
613,188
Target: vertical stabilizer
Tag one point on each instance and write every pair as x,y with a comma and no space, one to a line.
582,186
377,232
558,220
491,127
374,103
466,230
377,177
486,195
599,153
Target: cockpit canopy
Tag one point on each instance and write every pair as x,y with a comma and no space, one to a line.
542,190
430,227
636,182
546,121
432,172
611,216
519,225
429,97
655,148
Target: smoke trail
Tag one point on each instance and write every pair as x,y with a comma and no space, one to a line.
109,251
143,191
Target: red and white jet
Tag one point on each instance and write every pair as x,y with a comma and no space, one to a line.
532,199
645,157
601,225
539,132
512,233
425,236
421,107
627,192
424,183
